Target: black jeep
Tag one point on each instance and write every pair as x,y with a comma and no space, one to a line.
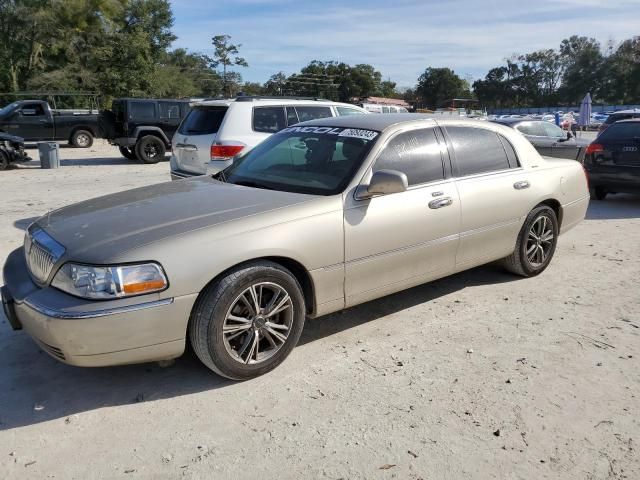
142,128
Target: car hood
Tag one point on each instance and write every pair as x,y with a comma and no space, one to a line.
10,138
98,229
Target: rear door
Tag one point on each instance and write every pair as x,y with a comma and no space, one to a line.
493,191
197,132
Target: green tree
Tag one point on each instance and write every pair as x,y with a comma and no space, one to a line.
584,68
225,55
436,85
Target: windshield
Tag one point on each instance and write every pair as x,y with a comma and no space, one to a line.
311,160
8,108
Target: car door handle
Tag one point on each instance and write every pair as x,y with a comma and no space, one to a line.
521,185
440,202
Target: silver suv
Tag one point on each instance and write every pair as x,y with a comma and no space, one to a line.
221,129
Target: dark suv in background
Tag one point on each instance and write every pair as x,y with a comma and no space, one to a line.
617,116
142,128
612,161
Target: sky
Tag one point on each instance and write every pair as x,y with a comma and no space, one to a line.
400,38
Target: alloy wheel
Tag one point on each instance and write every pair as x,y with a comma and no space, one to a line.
540,241
258,323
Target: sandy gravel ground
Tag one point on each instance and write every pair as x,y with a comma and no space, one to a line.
480,375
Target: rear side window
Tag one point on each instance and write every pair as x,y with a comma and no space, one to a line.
169,109
415,153
477,150
142,110
512,157
311,113
268,119
344,111
621,131
203,121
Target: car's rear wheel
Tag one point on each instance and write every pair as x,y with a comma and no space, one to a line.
82,139
597,193
536,243
150,149
128,153
247,322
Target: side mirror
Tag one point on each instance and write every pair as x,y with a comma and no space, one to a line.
216,166
383,182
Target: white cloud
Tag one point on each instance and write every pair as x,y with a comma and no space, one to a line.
401,38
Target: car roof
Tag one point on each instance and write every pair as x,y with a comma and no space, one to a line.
124,99
257,101
373,121
634,110
628,120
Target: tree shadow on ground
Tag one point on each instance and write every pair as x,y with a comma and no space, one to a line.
614,207
30,379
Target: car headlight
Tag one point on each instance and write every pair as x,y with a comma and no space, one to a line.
110,282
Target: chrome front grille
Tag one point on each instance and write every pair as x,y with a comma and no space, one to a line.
41,252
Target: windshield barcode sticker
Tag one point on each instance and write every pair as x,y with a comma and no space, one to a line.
357,133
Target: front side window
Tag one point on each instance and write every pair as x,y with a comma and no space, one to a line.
531,128
32,109
312,160
416,153
311,113
477,150
552,130
268,119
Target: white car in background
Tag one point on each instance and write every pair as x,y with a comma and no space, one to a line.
222,129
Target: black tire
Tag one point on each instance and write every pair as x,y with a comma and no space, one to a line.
4,161
220,299
519,262
128,153
597,193
82,139
150,149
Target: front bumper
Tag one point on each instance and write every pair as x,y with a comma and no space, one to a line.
94,333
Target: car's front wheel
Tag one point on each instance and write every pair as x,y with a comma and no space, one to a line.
536,243
247,322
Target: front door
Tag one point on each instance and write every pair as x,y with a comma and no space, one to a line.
399,240
31,122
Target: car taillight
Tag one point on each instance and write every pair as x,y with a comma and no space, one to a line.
594,148
225,151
